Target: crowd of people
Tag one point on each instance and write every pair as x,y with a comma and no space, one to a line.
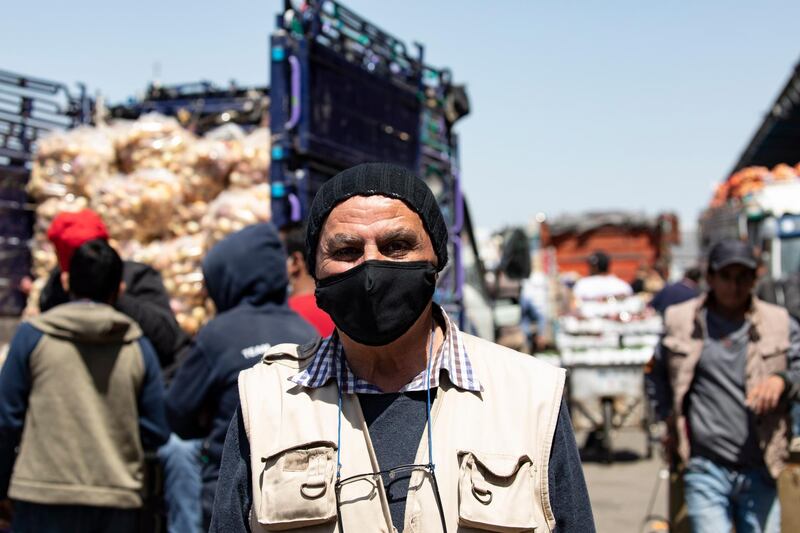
272,417
64,386
331,393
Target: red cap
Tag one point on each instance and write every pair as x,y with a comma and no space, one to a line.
69,230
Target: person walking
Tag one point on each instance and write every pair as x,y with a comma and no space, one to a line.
600,283
398,421
724,374
81,396
245,275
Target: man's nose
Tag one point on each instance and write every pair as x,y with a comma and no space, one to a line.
372,253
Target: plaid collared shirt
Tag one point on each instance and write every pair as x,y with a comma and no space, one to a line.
451,357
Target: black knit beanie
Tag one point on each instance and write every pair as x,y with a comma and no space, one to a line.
384,179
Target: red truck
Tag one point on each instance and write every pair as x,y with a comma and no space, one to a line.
631,240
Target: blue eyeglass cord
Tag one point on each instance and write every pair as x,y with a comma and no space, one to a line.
427,406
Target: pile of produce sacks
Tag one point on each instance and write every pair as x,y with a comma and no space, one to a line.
165,194
68,162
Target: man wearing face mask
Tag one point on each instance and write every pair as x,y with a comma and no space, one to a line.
398,421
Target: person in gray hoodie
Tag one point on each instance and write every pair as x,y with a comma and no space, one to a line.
81,396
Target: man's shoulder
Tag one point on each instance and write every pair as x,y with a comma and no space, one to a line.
770,310
492,357
27,336
584,282
275,326
286,358
135,268
682,311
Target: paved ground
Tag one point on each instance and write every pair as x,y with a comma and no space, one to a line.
7,327
621,492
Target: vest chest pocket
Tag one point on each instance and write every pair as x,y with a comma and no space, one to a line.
297,488
676,353
496,492
774,355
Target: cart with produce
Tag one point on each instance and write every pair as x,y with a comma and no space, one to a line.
605,345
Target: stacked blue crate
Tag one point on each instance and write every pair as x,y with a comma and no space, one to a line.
29,108
343,92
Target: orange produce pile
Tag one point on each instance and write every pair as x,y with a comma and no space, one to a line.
750,180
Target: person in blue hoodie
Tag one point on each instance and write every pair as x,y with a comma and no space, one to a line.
245,275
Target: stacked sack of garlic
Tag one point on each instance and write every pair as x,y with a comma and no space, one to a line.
187,218
152,141
252,167
165,195
179,262
138,206
67,162
204,174
234,209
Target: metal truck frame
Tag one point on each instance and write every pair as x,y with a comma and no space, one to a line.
343,92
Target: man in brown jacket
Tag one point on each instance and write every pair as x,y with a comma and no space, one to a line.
725,371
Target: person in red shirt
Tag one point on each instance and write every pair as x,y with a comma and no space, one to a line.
301,284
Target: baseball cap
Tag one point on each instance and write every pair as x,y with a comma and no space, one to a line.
731,252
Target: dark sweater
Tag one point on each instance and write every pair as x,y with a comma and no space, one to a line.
383,414
568,495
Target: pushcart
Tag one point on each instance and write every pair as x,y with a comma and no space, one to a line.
605,359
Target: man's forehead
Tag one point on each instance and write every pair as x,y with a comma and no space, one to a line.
373,210
736,269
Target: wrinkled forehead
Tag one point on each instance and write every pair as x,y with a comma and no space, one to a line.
366,214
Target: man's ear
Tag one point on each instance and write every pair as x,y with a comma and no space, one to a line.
65,281
295,263
301,261
122,287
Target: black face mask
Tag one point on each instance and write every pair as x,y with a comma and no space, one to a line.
378,301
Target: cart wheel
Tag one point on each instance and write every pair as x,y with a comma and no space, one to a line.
608,425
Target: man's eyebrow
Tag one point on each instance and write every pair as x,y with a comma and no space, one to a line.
399,234
343,239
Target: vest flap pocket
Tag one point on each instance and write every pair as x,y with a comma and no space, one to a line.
771,348
675,345
297,487
496,492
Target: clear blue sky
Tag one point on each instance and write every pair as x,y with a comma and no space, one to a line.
576,105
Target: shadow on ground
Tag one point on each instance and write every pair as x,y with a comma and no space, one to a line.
594,455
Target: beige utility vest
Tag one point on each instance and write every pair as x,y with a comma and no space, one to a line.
491,449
